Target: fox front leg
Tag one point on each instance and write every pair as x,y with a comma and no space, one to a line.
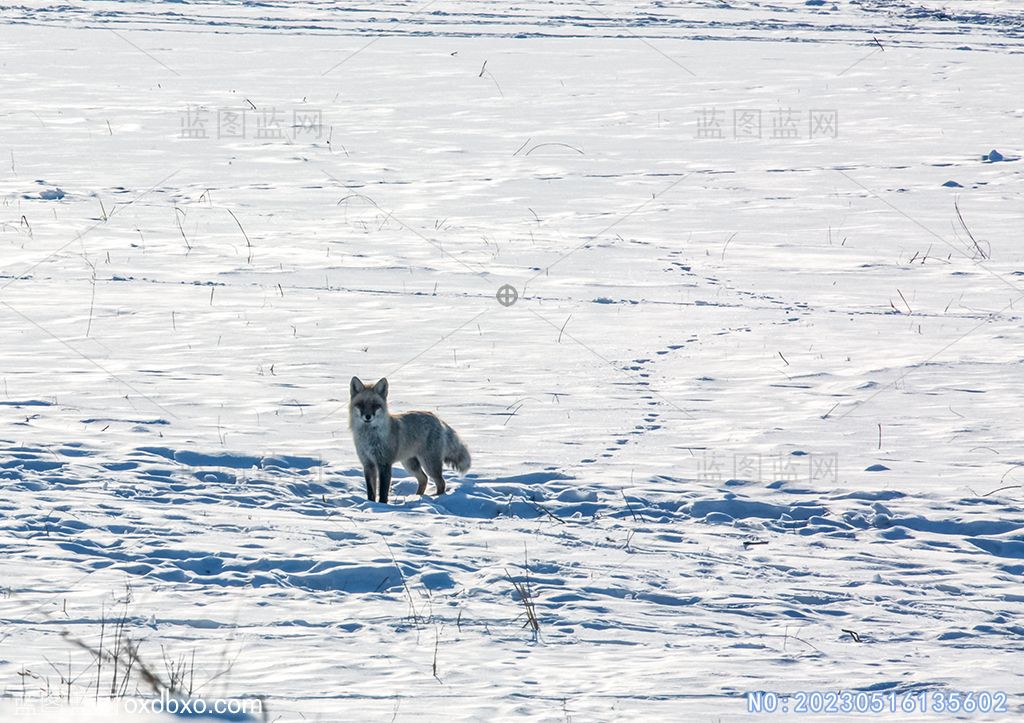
370,473
384,485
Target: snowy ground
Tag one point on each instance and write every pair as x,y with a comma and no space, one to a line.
793,342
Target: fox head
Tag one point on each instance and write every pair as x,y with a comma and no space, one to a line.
368,405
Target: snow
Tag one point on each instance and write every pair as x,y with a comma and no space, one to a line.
757,391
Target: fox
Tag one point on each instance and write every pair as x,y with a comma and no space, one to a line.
421,441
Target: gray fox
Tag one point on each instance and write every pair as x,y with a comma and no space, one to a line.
420,440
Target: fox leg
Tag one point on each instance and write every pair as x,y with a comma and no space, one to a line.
435,470
384,483
370,474
413,465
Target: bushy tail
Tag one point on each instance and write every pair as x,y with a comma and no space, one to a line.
456,455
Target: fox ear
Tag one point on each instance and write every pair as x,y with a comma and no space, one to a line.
381,388
355,386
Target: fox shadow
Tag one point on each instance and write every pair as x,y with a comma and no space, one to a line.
530,495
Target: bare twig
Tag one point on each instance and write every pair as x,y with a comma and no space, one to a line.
526,597
853,634
563,145
963,224
247,241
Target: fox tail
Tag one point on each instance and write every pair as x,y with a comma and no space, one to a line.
456,454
